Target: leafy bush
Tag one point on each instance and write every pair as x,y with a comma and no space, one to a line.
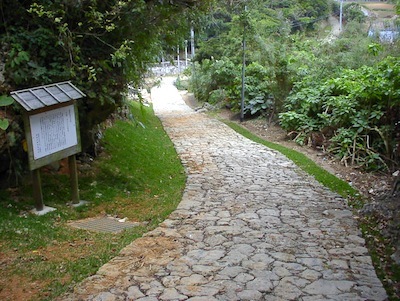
4,101
353,12
362,107
257,105
181,84
220,81
212,75
200,82
258,96
217,96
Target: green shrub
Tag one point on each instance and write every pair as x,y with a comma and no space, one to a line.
361,106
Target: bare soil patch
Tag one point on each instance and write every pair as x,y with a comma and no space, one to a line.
146,255
380,10
379,6
20,286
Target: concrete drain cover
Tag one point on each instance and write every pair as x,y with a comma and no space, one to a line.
103,224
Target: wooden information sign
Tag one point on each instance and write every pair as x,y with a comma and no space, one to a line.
51,130
52,135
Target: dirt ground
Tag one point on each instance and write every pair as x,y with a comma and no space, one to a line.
380,6
380,11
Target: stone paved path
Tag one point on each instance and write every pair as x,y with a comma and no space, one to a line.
250,226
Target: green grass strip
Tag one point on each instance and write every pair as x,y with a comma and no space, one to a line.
321,175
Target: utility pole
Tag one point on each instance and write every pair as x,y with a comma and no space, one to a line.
186,53
192,42
194,78
243,67
179,60
341,15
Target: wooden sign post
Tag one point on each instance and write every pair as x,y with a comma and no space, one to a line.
51,130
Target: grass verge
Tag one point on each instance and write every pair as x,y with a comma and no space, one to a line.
138,176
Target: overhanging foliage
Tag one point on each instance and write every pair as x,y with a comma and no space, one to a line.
100,45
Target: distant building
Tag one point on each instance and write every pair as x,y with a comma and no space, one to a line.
384,32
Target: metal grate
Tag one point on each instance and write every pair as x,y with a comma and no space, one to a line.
44,96
103,224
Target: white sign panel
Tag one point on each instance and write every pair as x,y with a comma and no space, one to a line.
53,131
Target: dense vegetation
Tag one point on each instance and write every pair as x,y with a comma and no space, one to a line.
292,71
101,46
342,94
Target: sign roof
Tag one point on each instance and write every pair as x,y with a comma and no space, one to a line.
45,96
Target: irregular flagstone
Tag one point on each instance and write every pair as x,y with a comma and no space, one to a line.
329,287
250,295
250,226
172,294
134,293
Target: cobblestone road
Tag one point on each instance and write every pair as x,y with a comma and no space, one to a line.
250,226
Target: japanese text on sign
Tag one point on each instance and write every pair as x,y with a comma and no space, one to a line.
53,131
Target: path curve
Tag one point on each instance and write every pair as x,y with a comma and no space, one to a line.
250,226
335,31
